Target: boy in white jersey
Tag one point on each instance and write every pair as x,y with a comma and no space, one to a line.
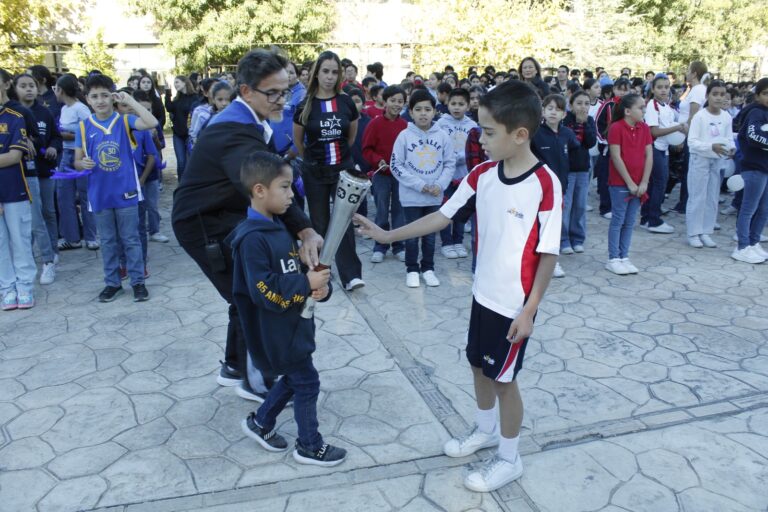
518,202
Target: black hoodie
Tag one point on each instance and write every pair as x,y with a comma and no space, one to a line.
269,291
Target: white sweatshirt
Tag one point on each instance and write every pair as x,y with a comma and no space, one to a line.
707,129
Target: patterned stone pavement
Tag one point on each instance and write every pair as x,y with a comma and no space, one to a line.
645,392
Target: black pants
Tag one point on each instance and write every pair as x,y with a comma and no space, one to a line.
189,233
320,192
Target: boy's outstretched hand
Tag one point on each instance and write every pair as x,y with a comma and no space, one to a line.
369,228
521,328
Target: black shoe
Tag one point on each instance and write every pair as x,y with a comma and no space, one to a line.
140,293
327,455
228,376
110,293
244,390
271,441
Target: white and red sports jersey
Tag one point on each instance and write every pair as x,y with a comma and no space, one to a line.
517,219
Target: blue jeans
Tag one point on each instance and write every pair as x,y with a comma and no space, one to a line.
453,233
150,191
17,264
650,212
414,213
40,236
303,385
753,213
574,230
624,212
180,150
67,193
48,205
119,233
386,194
601,172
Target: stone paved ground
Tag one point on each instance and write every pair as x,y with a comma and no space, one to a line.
642,393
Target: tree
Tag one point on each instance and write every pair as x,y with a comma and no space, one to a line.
215,32
93,54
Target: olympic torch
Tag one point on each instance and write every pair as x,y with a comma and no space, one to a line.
350,192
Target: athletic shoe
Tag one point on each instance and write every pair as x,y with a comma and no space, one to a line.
494,473
270,441
707,241
140,293
578,248
354,284
449,251
470,443
10,301
228,376
377,257
92,245
430,279
48,274
244,390
606,215
759,251
747,255
567,250
559,272
412,280
159,237
629,266
644,225
695,241
729,210
326,456
110,293
25,301
461,252
64,245
662,228
400,256
616,266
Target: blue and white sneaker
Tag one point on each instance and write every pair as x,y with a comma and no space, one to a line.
10,301
25,301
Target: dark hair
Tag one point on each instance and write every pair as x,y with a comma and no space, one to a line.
535,63
350,65
393,90
354,91
572,87
588,83
576,94
622,82
627,101
206,84
221,85
479,89
142,96
444,87
69,85
419,95
374,90
657,78
42,75
588,74
261,167
636,82
489,70
515,104
257,65
561,66
99,82
715,83
761,85
377,68
459,92
369,80
557,99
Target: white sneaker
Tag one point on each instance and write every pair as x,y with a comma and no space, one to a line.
470,443
460,250
400,256
377,257
747,255
93,245
430,279
707,241
663,228
449,252
467,227
695,241
617,267
629,266
412,280
559,272
567,250
494,473
48,274
589,208
355,284
757,249
729,210
578,249
159,237
607,215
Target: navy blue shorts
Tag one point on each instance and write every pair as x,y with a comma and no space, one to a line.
488,347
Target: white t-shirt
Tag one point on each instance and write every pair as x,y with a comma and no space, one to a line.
707,129
593,151
517,220
70,119
697,95
662,116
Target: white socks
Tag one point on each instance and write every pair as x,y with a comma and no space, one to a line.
508,448
487,419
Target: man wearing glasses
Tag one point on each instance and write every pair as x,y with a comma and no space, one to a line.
210,199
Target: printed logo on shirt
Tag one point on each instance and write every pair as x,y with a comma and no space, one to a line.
517,214
3,128
330,132
425,158
108,155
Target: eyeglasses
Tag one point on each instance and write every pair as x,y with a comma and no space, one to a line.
275,96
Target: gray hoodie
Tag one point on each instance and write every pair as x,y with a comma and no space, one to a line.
422,158
457,130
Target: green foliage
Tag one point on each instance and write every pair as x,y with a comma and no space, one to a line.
203,33
93,54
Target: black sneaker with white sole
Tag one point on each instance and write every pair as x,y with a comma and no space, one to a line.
271,441
327,455
110,293
228,376
244,390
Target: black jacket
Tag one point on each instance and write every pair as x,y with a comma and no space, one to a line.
269,291
553,149
179,111
48,137
586,134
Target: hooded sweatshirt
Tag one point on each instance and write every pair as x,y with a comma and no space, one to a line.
422,158
269,291
457,130
753,138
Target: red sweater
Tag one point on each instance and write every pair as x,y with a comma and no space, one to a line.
379,138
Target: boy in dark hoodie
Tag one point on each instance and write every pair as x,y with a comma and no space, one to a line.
270,290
